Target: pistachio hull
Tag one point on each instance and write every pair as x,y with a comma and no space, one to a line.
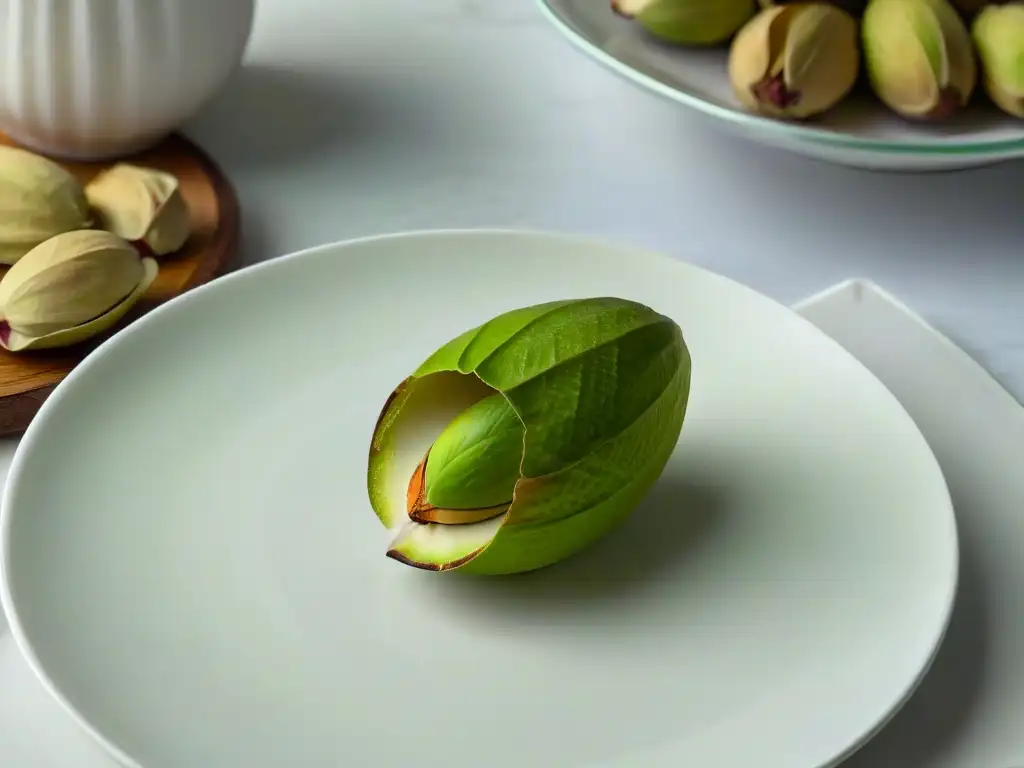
601,386
688,22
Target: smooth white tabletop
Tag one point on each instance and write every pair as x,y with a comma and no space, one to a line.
354,118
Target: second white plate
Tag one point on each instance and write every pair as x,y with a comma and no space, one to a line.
860,132
192,568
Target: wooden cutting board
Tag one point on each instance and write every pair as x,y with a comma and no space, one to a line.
28,378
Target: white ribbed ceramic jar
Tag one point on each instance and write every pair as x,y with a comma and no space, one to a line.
94,79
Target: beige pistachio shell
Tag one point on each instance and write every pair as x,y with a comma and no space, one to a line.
38,199
796,60
141,205
998,33
17,342
920,58
69,288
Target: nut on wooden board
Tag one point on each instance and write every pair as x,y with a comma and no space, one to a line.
27,378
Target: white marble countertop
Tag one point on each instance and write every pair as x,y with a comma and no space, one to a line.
353,119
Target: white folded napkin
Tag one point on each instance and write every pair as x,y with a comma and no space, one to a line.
969,711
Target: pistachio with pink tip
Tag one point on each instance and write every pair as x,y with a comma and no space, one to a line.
795,61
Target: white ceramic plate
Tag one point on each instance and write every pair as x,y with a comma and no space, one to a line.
192,567
859,133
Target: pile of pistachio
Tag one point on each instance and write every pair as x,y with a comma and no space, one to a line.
79,256
794,60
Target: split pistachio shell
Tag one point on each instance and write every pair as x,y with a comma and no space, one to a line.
688,22
69,288
599,389
141,205
38,199
920,58
795,61
999,36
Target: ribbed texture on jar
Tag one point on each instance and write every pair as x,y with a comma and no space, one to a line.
96,78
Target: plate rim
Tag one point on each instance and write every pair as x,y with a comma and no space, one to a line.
922,147
8,601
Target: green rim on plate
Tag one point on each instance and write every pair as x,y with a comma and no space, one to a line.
779,128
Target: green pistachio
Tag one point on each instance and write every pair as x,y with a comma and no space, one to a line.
688,22
526,439
919,57
999,36
471,470
795,60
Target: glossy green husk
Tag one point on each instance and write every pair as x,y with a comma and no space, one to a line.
601,387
